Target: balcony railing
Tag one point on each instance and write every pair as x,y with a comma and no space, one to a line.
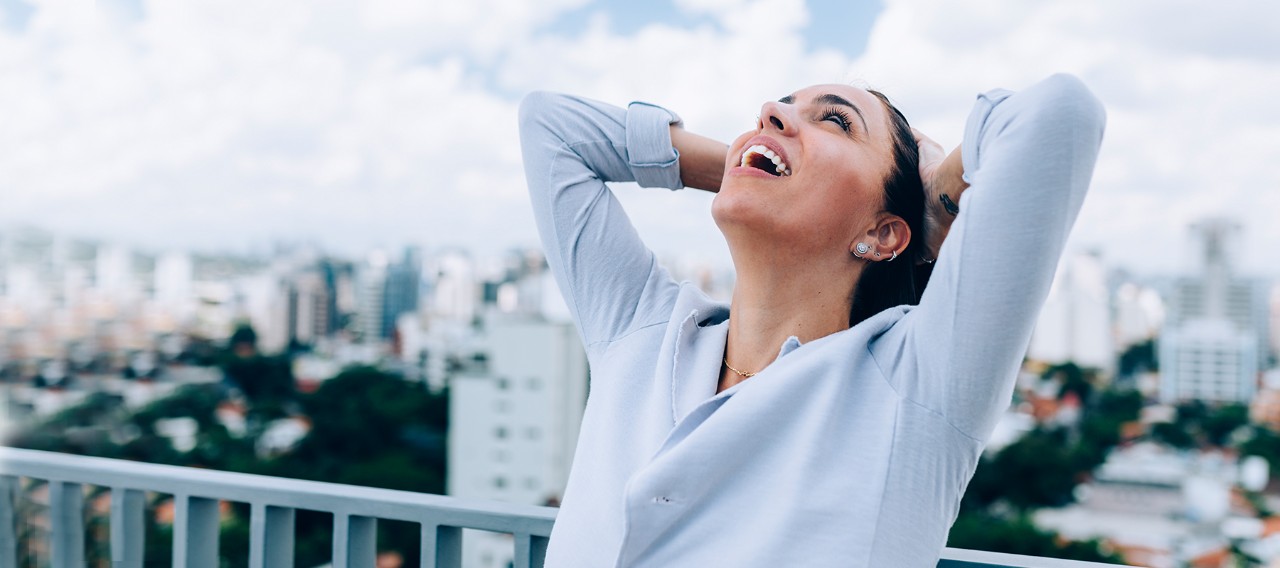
273,500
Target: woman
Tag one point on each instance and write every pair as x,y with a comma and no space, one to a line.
819,419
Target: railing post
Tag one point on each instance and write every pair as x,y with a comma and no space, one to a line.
271,535
441,546
355,541
66,509
127,528
195,532
531,550
8,520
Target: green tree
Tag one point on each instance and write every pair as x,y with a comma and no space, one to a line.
1123,405
1139,357
1265,443
1220,422
1072,378
266,381
1038,470
1173,434
1018,535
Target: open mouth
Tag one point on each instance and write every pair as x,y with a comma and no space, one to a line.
762,158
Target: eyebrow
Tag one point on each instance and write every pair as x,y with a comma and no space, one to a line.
831,99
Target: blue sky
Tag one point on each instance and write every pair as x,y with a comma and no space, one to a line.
842,26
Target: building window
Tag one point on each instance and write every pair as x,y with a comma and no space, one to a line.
533,433
500,432
503,383
531,483
534,383
500,482
502,405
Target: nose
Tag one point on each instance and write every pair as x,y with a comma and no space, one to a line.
777,116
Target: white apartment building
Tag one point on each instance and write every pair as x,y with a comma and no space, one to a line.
513,425
1212,346
1209,360
371,296
1075,323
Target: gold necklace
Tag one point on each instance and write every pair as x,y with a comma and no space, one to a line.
742,374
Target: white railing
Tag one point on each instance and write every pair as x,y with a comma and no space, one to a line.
273,500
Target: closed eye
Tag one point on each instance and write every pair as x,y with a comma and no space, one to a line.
837,117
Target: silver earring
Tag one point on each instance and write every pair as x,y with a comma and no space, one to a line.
861,249
895,255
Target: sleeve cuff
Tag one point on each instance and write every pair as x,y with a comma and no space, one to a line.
974,128
653,161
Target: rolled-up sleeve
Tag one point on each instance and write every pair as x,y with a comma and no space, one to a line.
653,160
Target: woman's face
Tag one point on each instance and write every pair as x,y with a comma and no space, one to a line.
811,175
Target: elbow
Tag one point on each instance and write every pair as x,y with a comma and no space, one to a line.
536,108
1065,99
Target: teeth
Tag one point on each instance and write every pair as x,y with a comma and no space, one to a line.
761,150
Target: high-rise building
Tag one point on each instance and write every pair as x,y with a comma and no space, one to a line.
370,297
1139,314
308,300
400,293
173,285
1274,331
455,290
514,425
1208,360
1075,324
1215,328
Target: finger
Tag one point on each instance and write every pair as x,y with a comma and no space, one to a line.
926,144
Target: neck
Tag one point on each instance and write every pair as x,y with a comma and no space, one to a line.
770,305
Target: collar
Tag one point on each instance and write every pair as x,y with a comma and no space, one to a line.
698,355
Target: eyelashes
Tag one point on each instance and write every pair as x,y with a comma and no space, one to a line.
838,117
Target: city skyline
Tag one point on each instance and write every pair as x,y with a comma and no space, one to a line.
383,123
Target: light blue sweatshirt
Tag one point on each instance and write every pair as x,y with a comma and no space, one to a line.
850,450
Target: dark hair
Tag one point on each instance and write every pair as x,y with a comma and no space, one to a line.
884,285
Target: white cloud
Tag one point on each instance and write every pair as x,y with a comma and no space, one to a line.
1185,83
360,123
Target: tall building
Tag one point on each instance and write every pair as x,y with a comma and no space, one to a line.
455,292
513,426
370,297
173,287
1215,328
1075,323
1139,314
1275,325
400,290
309,300
1218,293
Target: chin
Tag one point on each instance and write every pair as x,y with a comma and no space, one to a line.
739,213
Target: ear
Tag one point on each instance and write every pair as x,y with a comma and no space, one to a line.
890,234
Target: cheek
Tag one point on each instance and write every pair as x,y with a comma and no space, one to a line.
838,205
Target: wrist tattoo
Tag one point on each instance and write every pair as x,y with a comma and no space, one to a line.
949,205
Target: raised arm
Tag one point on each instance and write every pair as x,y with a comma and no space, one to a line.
572,147
1027,159
701,159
